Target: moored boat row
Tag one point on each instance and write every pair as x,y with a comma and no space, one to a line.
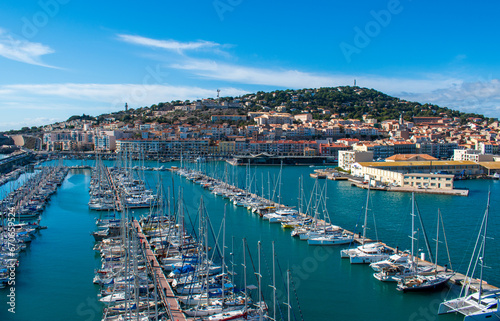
117,188
401,267
20,214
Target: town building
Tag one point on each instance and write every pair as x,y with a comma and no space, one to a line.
349,157
471,155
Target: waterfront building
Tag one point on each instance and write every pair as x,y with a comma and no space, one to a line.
488,147
404,147
425,167
171,147
437,149
471,155
349,157
332,149
410,158
400,179
379,150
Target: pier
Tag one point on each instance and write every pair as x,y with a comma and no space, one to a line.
118,202
457,279
358,182
7,164
167,295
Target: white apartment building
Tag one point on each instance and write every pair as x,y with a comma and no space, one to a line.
472,155
349,157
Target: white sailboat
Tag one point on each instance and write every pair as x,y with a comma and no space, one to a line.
399,266
418,280
367,252
482,305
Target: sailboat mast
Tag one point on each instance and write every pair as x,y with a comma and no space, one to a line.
437,242
269,186
223,251
279,186
274,283
245,271
260,281
413,229
298,199
136,273
288,294
484,245
366,215
262,183
232,260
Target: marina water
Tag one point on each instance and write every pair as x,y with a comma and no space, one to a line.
54,280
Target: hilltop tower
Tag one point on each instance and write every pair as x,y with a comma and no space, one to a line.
126,107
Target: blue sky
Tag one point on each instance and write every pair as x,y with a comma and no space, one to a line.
64,57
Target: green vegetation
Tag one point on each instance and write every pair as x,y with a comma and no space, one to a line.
82,117
346,102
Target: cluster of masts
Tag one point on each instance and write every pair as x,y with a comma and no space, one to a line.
20,214
133,282
116,188
389,265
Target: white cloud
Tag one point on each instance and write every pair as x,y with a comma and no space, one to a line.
60,101
168,44
299,79
481,97
108,93
28,122
22,50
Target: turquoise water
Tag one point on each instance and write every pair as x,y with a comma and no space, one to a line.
54,281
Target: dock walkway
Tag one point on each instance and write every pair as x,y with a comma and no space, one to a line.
168,297
118,203
457,279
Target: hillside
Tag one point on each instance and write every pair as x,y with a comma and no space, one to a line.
347,102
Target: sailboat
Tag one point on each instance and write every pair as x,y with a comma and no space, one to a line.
367,252
420,281
398,265
326,234
482,305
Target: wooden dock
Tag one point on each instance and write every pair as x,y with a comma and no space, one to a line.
118,202
167,295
